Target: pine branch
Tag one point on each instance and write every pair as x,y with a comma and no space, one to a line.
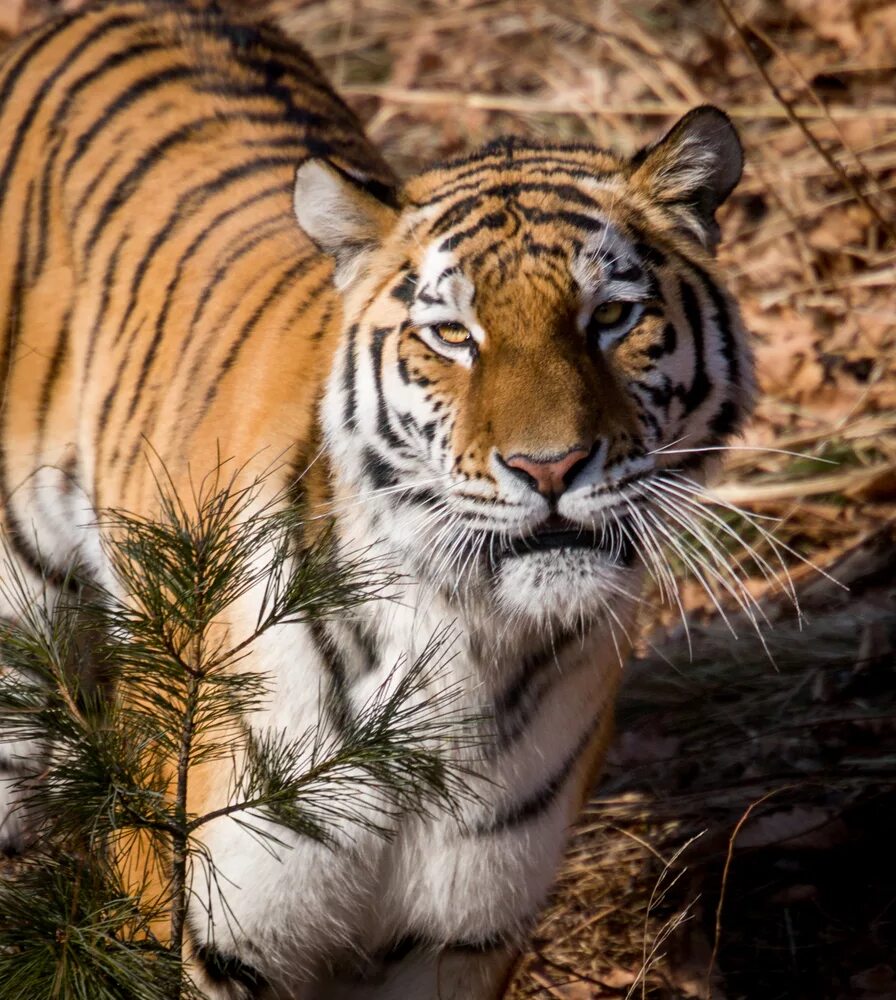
175,688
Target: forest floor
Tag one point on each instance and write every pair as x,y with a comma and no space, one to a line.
741,842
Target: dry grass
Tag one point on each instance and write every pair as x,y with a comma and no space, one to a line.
810,244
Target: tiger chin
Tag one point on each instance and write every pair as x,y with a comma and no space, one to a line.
504,374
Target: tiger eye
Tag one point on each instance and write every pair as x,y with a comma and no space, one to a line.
455,334
609,313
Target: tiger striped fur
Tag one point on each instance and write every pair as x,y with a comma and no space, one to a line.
479,369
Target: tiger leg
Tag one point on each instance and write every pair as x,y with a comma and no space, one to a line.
20,760
452,974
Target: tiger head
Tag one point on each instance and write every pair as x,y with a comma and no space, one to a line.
538,359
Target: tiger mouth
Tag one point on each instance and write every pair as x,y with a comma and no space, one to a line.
559,533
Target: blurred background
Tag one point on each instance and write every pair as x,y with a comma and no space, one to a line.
741,843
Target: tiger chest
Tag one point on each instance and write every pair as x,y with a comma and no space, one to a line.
467,876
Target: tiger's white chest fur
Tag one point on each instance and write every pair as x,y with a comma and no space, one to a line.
464,878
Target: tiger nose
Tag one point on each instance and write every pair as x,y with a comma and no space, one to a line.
547,475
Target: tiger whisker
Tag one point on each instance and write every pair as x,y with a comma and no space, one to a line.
759,449
364,496
737,588
752,519
658,568
745,600
782,579
656,564
698,568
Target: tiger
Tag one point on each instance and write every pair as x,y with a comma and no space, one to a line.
483,372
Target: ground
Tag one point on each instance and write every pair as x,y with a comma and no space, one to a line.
739,844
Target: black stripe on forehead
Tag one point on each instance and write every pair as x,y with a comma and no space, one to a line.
510,193
575,162
548,233
489,221
547,261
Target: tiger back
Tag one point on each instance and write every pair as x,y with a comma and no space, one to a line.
508,373
129,325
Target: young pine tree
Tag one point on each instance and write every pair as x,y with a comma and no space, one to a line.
124,694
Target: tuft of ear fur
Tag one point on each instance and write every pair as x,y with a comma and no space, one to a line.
693,169
346,216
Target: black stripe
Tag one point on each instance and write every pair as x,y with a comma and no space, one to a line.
659,394
367,646
324,322
410,943
490,220
723,319
383,426
256,233
57,359
337,700
726,421
670,338
15,143
292,274
30,47
97,177
701,386
630,271
349,378
222,969
515,707
509,192
141,441
578,220
405,289
105,295
13,317
404,371
551,161
650,254
128,184
289,57
378,470
652,423
123,102
271,57
14,533
276,142
540,801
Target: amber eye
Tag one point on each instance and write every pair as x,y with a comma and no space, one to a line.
611,313
455,334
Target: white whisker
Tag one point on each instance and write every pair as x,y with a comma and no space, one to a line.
752,519
684,548
759,449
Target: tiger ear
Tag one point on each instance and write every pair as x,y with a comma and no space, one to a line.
693,169
346,216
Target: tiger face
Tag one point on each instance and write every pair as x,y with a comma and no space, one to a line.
536,341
